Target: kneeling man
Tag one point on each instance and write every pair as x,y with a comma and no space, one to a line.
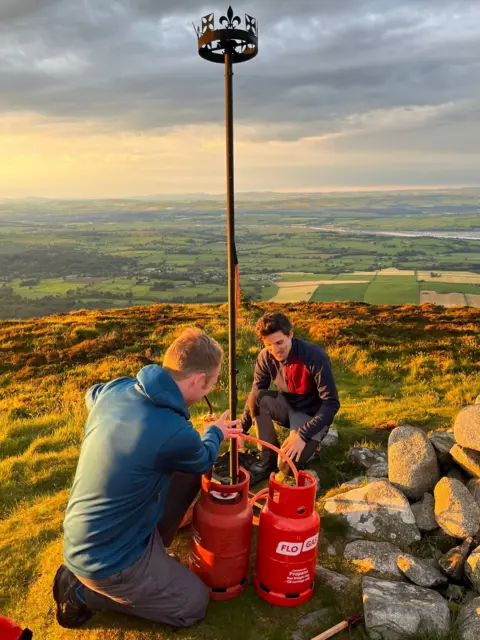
139,470
306,399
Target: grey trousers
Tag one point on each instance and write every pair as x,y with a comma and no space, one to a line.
156,587
270,407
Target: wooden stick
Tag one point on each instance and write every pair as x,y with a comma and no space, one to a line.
333,631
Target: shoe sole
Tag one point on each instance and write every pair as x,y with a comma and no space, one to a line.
58,615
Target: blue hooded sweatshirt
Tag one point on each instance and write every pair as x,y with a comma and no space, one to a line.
137,434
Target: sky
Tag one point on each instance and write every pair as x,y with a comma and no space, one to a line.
109,98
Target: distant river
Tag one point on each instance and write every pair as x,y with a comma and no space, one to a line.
449,235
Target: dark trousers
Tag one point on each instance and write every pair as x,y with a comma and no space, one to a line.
157,587
269,407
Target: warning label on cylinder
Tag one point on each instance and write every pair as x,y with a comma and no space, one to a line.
298,575
296,548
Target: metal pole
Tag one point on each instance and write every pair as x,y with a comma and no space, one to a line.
232,285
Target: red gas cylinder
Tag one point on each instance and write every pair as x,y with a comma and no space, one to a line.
222,532
11,631
288,532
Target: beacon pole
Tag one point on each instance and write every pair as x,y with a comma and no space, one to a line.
229,45
232,275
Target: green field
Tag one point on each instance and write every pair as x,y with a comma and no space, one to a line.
450,287
179,248
393,290
340,292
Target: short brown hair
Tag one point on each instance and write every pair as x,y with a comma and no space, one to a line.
271,323
192,352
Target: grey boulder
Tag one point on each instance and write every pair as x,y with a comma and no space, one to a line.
331,579
474,487
412,462
467,427
424,512
394,610
456,511
472,569
376,559
469,621
442,441
467,459
384,560
364,458
377,511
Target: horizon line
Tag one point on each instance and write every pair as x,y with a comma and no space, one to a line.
222,194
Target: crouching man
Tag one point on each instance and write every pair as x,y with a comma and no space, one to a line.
139,470
305,402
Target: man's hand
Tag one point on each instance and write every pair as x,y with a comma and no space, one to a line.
230,429
293,446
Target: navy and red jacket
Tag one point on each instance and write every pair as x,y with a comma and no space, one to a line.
306,381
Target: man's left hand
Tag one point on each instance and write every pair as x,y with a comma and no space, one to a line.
293,447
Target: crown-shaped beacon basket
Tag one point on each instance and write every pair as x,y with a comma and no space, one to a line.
230,38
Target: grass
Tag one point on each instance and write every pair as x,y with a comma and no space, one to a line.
393,290
416,364
450,287
340,292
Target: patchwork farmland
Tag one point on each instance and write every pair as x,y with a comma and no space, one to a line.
388,286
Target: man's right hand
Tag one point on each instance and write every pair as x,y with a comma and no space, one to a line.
230,429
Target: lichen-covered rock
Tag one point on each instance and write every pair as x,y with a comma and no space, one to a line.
467,459
394,610
420,572
456,511
387,562
424,512
453,562
412,462
469,621
442,441
467,427
376,559
377,511
472,569
364,458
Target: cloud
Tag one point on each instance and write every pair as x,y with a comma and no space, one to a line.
349,74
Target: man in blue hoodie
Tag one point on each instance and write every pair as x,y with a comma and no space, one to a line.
139,469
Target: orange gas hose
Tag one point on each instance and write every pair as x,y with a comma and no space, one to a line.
277,450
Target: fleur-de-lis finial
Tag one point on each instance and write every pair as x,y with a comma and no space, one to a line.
230,21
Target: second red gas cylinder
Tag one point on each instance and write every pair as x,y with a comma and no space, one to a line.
222,531
288,532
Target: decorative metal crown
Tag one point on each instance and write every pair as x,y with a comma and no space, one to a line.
213,43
